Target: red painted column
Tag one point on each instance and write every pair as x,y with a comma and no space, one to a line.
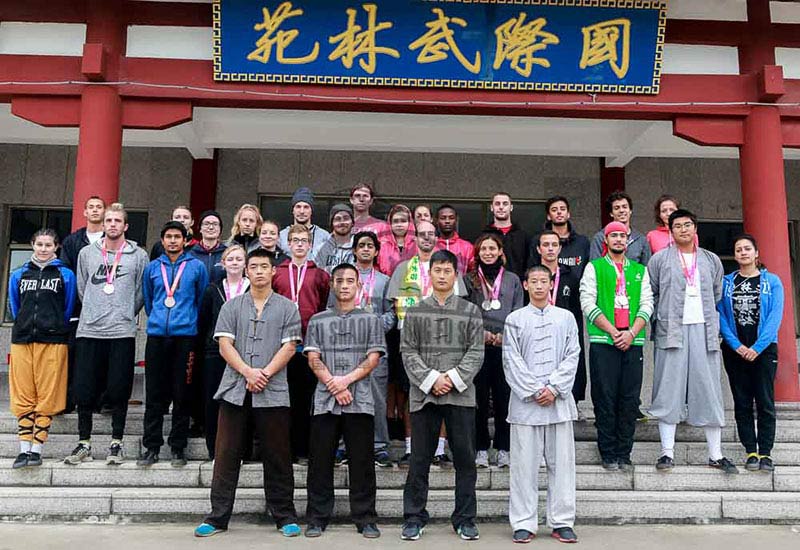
203,194
99,149
611,179
765,216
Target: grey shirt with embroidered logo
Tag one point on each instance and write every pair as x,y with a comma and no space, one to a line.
344,340
257,339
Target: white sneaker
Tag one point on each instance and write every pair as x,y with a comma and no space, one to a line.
482,459
81,453
503,459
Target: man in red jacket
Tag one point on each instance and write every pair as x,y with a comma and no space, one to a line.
307,286
446,223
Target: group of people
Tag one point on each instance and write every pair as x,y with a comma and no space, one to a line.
304,344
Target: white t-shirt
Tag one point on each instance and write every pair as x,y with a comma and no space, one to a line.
693,301
94,237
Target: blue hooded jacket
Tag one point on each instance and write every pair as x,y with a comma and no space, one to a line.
180,320
770,311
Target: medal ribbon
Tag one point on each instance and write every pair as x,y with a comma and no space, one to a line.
367,287
689,274
171,289
296,284
554,292
621,283
425,278
111,272
228,291
498,282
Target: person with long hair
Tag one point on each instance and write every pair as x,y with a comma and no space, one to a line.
399,244
246,227
661,237
422,213
497,291
751,311
268,239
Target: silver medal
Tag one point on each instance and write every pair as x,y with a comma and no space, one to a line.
108,288
692,291
169,301
368,308
486,305
495,305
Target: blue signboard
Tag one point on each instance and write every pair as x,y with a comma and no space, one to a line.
606,46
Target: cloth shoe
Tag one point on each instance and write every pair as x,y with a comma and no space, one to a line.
482,459
34,459
503,459
665,463
723,464
21,461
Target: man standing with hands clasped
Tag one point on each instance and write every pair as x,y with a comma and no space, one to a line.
540,356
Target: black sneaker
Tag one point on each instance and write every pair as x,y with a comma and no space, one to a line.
625,464
405,461
468,531
382,459
411,531
522,536
34,459
442,461
766,464
665,463
21,461
178,458
314,531
610,464
723,464
752,463
196,430
149,458
564,534
370,531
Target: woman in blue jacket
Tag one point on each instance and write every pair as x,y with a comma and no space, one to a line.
751,311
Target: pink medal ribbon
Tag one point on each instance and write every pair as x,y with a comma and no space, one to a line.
296,281
554,292
228,291
621,303
367,287
425,277
169,301
492,298
690,274
111,272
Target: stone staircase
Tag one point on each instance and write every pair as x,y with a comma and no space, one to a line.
692,492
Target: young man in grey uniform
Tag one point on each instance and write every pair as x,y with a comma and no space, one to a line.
442,345
257,333
343,345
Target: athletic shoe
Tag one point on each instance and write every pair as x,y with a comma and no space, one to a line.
468,531
370,531
766,464
290,530
522,536
206,530
405,461
21,461
752,463
610,464
115,454
178,458
503,459
442,461
665,463
341,457
723,464
564,534
382,459
411,531
149,458
625,464
34,459
81,453
482,459
314,531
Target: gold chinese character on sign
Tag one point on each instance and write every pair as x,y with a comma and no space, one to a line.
439,40
355,42
280,39
608,41
518,42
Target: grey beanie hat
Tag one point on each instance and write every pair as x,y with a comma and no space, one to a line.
340,207
303,194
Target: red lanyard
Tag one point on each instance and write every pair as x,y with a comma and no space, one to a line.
227,288
171,289
367,287
111,272
494,293
296,284
689,274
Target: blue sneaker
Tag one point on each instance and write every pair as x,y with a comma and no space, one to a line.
290,530
206,530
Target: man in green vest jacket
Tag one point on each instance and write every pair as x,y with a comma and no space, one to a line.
618,302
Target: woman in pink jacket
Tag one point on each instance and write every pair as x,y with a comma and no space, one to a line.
399,245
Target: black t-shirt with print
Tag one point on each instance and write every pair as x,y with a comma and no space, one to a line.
747,307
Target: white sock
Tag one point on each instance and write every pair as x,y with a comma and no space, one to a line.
440,446
714,442
24,446
36,448
667,433
408,445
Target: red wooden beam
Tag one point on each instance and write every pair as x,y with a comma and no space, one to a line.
154,114
38,11
179,14
791,133
50,112
710,131
715,33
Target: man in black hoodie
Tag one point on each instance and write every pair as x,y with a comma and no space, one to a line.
574,247
515,241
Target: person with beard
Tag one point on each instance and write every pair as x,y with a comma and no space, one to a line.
302,212
515,240
617,300
362,197
565,294
619,206
215,296
41,295
498,292
268,239
574,246
209,249
339,247
110,277
246,228
446,224
399,244
182,214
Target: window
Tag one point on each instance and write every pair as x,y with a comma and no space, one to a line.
24,222
473,215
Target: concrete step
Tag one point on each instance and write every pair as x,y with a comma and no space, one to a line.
171,504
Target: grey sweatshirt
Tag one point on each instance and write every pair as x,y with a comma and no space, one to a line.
107,316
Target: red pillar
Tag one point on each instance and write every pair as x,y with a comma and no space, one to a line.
765,216
99,149
203,195
611,179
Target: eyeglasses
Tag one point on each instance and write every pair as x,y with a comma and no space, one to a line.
687,225
300,241
209,224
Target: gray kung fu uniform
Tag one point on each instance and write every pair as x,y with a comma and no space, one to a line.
541,350
686,380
